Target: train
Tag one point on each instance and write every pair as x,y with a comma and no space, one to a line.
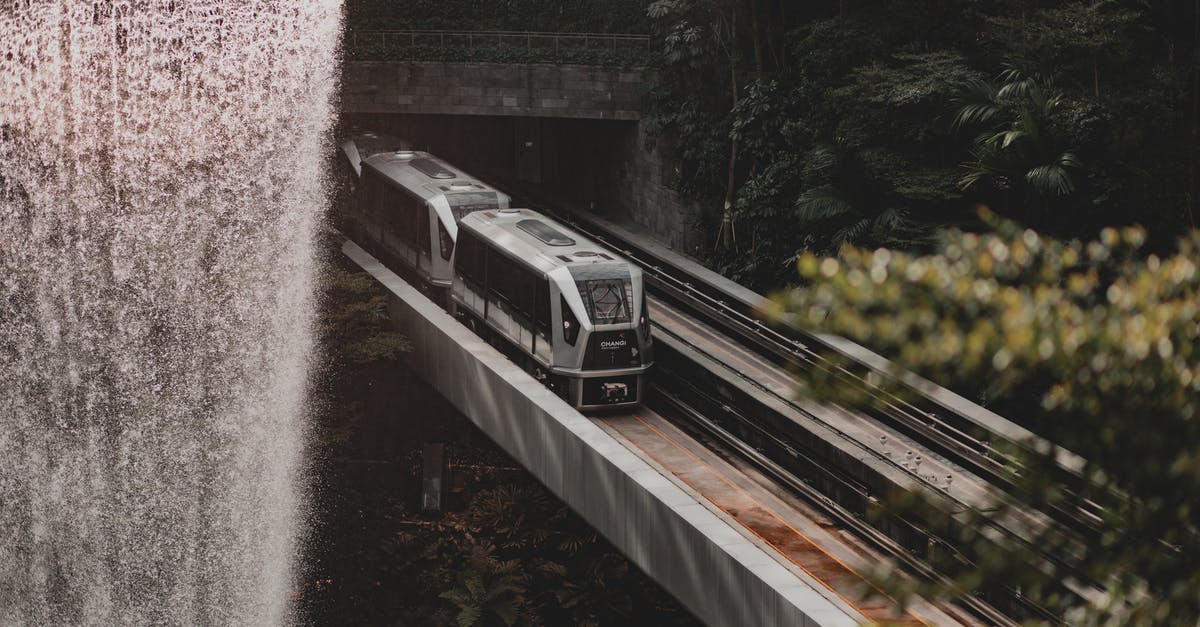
407,204
569,311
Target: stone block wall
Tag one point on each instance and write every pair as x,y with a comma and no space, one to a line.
537,90
645,188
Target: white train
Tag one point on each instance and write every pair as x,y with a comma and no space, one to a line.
567,310
406,204
573,313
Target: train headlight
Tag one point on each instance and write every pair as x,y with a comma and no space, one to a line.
570,323
644,320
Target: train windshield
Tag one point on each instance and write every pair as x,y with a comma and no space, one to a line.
463,203
607,300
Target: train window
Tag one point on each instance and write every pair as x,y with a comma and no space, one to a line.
467,260
431,168
607,300
541,306
422,231
410,218
371,198
523,291
445,243
499,274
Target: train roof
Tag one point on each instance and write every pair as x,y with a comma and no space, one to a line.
361,146
424,174
416,170
539,241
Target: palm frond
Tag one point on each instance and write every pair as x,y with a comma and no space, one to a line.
1050,180
821,203
852,233
821,159
977,105
1068,159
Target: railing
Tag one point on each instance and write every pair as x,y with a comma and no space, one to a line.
504,46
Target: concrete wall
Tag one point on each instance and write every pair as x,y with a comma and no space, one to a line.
539,90
645,186
610,169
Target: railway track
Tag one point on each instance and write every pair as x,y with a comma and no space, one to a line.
895,436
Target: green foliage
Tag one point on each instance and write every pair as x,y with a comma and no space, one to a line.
564,16
489,592
1091,344
1085,128
1016,151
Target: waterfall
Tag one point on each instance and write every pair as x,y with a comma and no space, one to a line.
161,177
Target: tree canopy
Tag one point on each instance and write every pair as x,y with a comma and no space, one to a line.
878,122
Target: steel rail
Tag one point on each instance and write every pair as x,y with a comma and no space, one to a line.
877,539
948,438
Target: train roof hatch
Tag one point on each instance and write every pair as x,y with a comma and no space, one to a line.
545,233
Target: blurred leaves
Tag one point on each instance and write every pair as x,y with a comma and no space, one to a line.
1092,344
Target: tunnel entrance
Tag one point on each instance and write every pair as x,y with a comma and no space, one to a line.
582,160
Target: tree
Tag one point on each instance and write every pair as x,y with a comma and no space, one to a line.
693,30
1091,344
1017,153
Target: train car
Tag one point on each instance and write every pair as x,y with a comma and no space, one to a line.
406,204
568,310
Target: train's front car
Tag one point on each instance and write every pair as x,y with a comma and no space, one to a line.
605,327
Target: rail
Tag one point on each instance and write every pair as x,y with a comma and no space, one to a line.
503,46
965,442
983,449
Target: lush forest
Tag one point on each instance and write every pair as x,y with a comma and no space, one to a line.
877,123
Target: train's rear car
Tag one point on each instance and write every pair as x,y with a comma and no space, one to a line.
404,205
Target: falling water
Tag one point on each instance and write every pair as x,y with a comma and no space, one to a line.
160,180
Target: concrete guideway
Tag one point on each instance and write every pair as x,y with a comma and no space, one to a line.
812,546
709,566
